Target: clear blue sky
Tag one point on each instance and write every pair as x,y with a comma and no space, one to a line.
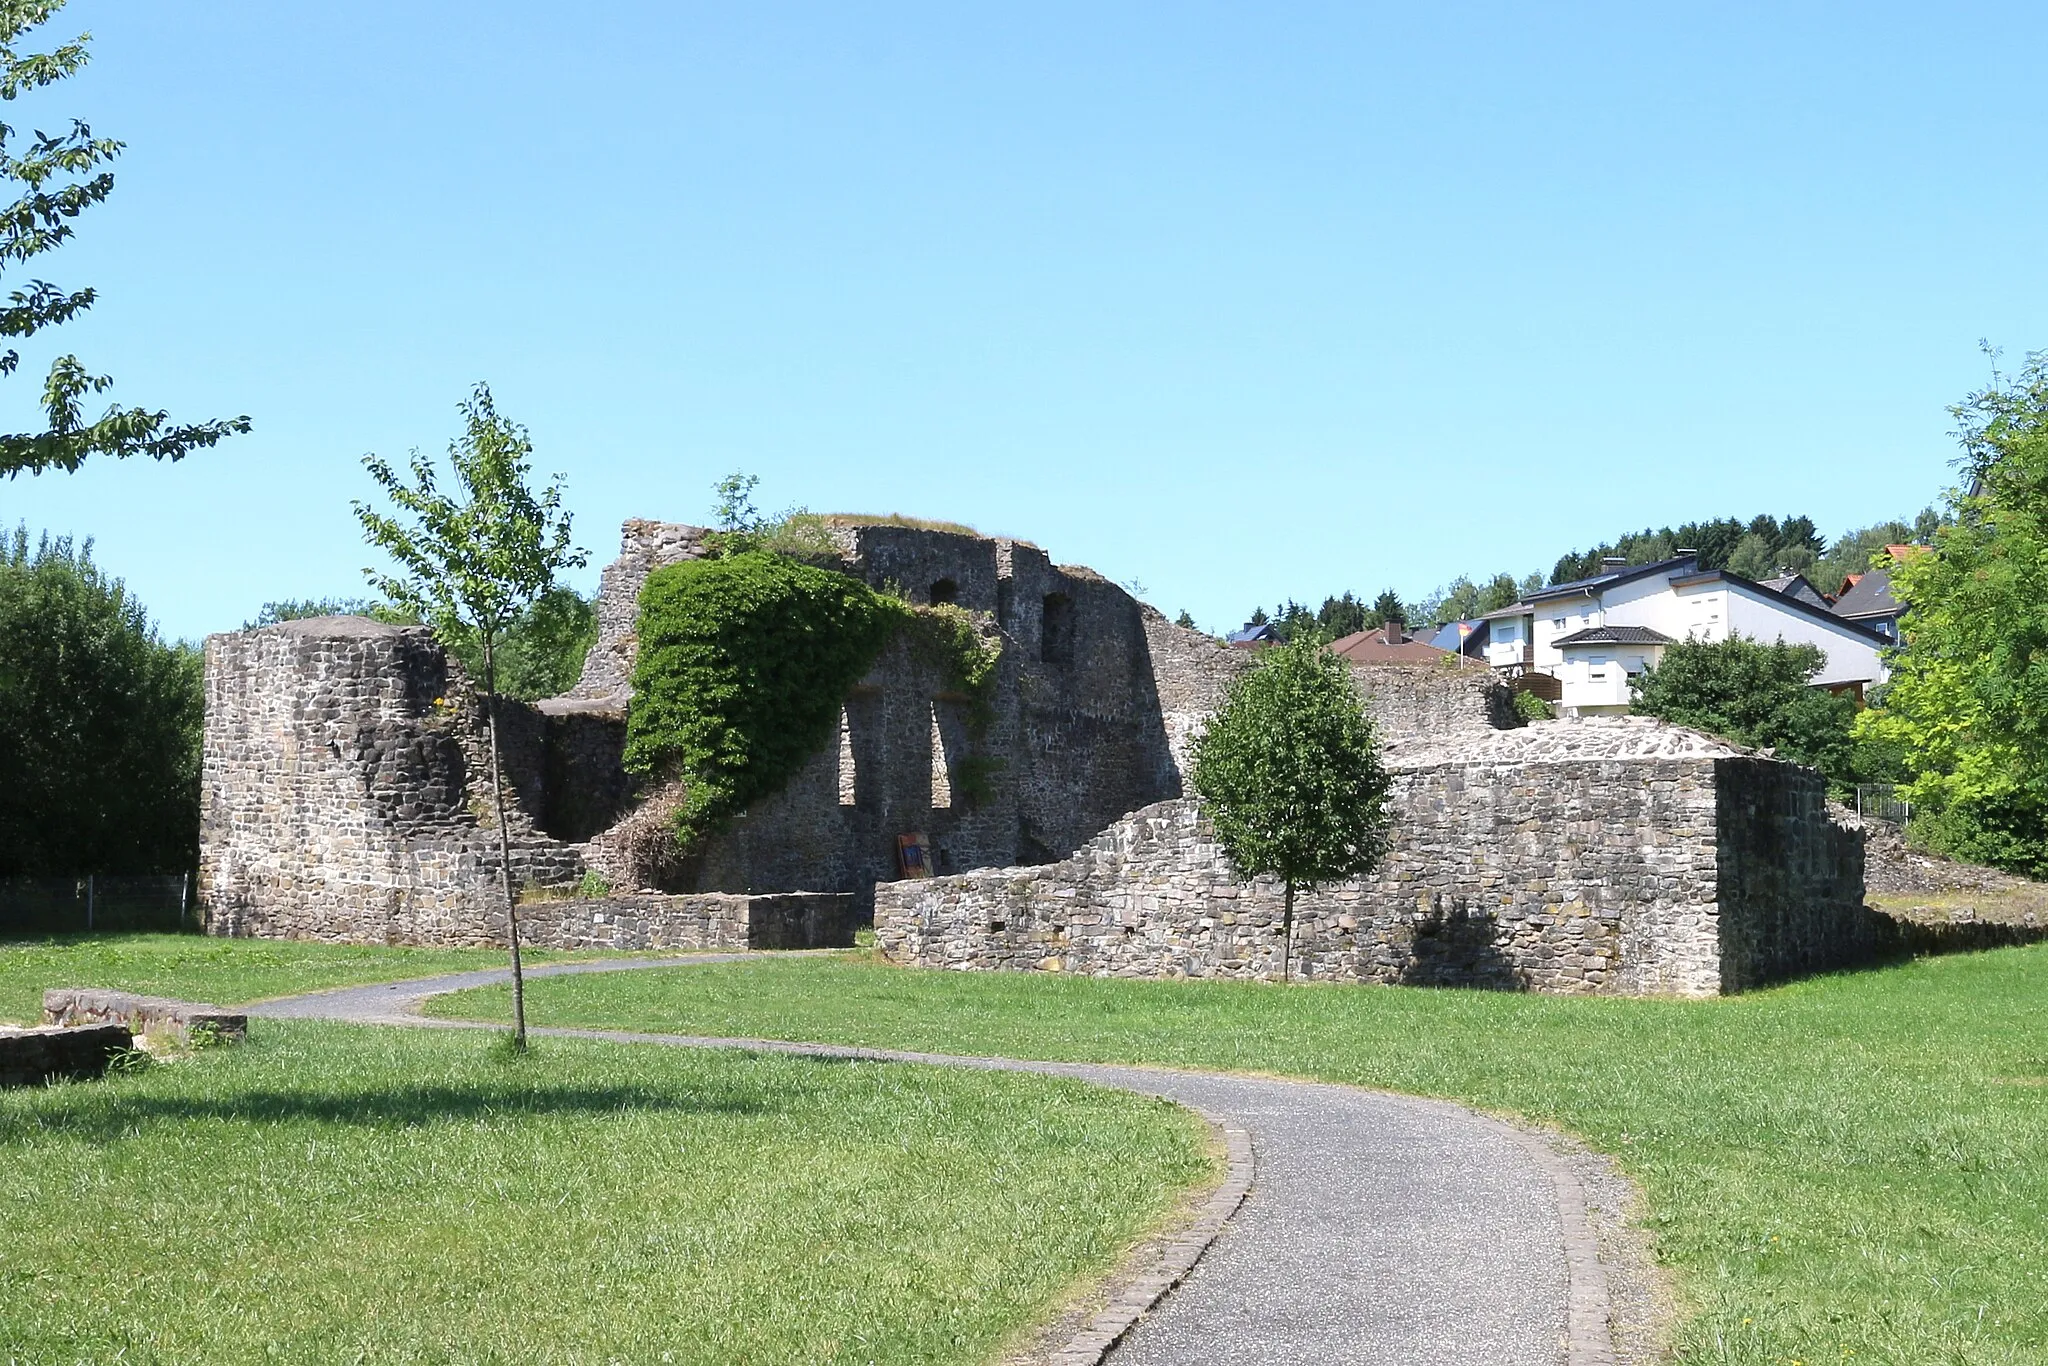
1241,302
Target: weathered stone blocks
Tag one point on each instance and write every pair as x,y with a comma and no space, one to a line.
155,1016
30,1057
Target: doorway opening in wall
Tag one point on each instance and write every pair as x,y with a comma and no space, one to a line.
1056,630
945,590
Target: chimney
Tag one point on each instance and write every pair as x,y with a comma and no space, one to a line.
1686,550
1614,561
1394,635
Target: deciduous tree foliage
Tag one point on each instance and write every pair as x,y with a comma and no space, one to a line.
1290,769
540,655
62,175
1968,698
1755,694
99,723
470,562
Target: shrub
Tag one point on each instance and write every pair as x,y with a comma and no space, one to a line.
744,662
1530,707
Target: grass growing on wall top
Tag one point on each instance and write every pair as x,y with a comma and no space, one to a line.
1848,1169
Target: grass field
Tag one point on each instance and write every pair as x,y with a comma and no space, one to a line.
335,1194
222,971
1853,1168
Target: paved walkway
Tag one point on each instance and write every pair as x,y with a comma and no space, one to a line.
1379,1228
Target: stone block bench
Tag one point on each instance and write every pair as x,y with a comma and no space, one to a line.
30,1057
150,1015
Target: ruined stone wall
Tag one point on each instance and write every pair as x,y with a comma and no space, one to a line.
345,796
1593,876
799,920
1413,700
1791,877
344,793
643,548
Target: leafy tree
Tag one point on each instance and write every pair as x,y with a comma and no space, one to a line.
1752,557
540,655
1967,703
301,609
469,563
1755,694
1858,551
1340,617
99,722
1290,768
1462,599
63,174
1792,543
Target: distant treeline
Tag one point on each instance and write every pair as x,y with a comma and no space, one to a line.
1763,547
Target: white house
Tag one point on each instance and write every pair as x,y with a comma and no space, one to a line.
1594,634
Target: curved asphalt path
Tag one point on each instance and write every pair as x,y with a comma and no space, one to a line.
1379,1228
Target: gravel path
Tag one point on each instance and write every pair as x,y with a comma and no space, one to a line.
1378,1228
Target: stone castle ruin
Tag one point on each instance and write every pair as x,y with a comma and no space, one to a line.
345,798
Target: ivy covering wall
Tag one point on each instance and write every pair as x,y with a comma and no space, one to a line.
744,662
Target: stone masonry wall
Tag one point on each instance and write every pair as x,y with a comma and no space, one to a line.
345,798
1600,876
343,789
1791,880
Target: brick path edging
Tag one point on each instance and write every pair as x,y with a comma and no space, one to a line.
1145,1286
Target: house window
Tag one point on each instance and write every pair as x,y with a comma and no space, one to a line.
1558,622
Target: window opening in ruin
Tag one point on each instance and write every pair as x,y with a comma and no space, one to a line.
848,787
942,782
1006,601
945,590
1056,630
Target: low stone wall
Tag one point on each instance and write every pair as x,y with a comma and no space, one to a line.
30,1057
710,920
1690,870
152,1015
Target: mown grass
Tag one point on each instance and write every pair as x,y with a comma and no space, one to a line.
335,1194
221,971
1853,1168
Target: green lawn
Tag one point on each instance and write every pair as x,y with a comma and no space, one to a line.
222,971
335,1194
1850,1168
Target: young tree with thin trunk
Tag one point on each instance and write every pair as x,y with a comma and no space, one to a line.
470,561
1291,772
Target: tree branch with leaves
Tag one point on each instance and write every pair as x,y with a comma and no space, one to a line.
469,561
63,174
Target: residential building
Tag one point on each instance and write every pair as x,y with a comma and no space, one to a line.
1253,637
1388,644
1595,634
1867,597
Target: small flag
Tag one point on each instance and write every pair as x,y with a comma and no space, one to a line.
1465,628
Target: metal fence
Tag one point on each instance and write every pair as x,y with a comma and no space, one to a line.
96,904
1880,802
